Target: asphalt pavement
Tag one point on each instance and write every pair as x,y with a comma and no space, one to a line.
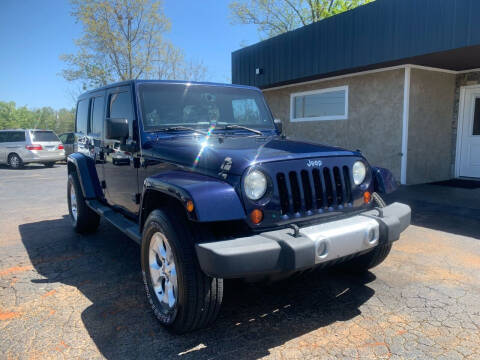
63,295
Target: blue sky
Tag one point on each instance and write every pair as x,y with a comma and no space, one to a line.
34,33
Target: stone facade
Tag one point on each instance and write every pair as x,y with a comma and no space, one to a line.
432,95
374,123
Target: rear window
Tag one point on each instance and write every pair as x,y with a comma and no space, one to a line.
44,136
12,136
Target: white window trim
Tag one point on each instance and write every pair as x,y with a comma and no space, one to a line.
319,118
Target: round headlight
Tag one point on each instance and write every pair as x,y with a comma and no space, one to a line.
359,171
255,185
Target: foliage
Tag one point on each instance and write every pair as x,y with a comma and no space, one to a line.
13,117
122,40
274,17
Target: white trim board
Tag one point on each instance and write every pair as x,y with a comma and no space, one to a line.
411,66
405,120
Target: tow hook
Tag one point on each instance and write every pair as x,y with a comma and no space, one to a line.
296,230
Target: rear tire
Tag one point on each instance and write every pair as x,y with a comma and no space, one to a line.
196,297
373,258
15,161
84,219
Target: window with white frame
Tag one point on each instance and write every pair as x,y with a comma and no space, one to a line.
324,104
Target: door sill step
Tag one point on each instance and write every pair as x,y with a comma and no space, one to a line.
123,224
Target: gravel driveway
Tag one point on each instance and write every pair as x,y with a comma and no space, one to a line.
68,296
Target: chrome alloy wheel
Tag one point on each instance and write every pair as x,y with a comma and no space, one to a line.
163,273
73,203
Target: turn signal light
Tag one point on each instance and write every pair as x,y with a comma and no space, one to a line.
256,216
367,197
34,147
190,206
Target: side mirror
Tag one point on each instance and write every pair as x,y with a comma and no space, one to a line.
116,129
278,125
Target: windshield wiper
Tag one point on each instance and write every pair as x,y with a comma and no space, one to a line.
234,126
182,128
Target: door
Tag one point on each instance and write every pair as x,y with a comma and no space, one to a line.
120,169
468,147
95,132
3,148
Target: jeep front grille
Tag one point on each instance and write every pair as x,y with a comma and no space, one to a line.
309,190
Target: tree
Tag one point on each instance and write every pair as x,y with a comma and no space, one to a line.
13,117
122,40
274,17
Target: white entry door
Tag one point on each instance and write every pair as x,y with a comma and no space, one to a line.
468,146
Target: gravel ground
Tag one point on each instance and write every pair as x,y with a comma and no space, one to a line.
68,296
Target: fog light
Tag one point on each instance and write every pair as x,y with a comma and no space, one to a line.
256,216
367,197
190,206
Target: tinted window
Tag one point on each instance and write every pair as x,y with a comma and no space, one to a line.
63,138
120,106
97,115
202,106
70,138
476,118
82,116
12,136
44,136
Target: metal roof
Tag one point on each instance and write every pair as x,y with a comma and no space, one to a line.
438,33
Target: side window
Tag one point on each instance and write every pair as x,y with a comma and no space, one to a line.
82,116
120,106
98,105
63,138
17,136
70,139
3,137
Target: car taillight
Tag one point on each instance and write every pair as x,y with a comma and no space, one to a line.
60,147
34,147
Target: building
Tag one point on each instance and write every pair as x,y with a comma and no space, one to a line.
397,79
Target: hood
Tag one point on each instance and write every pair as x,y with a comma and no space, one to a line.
233,154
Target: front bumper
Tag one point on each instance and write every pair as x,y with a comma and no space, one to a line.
280,251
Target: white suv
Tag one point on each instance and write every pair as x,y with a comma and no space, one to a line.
18,147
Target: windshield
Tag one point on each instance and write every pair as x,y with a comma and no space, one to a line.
44,136
201,106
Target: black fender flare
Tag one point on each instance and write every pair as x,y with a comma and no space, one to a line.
84,166
383,181
213,199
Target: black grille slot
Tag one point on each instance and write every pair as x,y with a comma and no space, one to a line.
307,190
317,183
283,193
328,186
338,185
348,185
318,188
297,200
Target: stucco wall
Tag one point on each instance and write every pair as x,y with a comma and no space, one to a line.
374,124
432,96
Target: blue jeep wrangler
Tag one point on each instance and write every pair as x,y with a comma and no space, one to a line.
201,177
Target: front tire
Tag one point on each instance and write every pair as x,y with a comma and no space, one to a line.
15,161
182,297
84,219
